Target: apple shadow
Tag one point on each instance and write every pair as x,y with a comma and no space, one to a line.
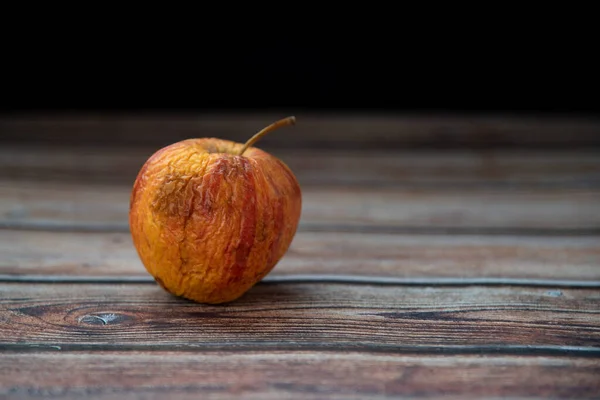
263,295
267,307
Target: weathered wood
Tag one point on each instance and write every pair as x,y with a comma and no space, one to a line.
314,339
40,205
333,131
297,375
94,255
302,316
442,170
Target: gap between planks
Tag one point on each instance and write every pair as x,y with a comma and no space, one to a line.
323,279
100,227
322,348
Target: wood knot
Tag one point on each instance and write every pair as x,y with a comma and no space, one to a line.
103,319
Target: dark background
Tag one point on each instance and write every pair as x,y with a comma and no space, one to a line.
550,69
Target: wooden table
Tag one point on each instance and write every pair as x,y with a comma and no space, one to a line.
437,257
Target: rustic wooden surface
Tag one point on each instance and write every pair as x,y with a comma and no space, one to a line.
436,258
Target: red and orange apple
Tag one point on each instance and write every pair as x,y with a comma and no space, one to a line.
210,217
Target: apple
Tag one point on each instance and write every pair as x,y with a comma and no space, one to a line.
210,218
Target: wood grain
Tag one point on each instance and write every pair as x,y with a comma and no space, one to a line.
297,375
499,206
303,316
95,255
442,170
327,131
28,205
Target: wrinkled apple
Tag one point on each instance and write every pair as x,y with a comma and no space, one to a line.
210,218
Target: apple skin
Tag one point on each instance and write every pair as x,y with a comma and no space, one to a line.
209,224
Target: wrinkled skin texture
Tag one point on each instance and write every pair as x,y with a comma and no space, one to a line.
208,224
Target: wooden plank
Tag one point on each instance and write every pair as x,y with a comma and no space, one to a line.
304,316
531,169
43,205
98,255
297,375
331,131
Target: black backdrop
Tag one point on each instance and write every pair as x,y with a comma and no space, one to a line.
345,76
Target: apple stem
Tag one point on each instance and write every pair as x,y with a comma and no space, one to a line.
275,125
